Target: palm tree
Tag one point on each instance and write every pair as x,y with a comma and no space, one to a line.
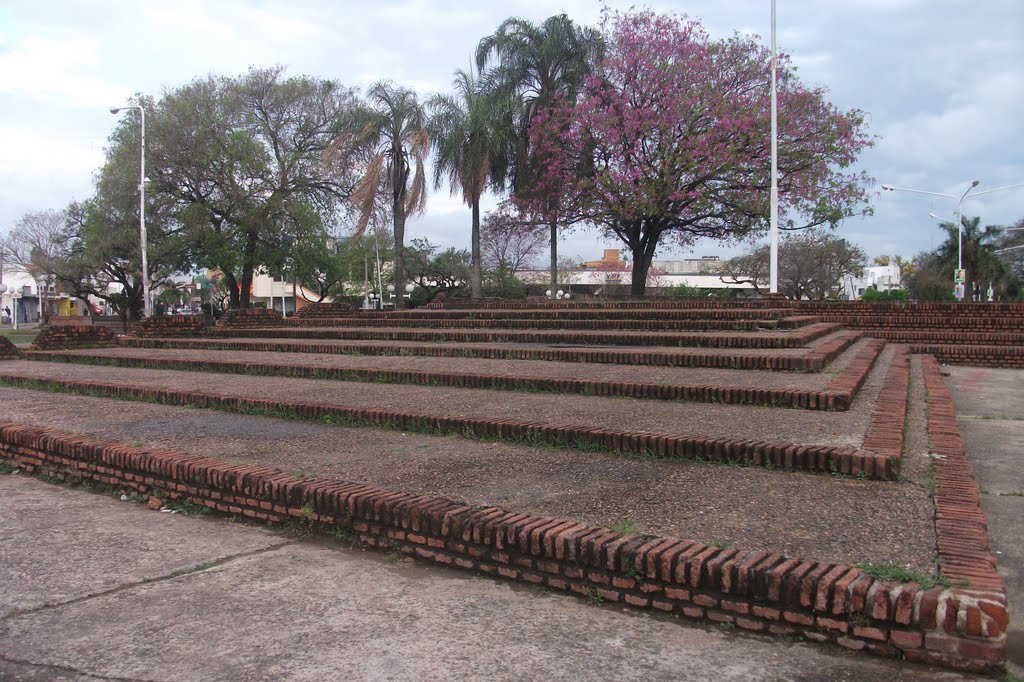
393,132
538,64
980,261
470,133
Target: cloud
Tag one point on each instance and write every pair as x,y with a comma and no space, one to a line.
55,70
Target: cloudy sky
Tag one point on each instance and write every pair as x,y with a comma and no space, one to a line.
942,81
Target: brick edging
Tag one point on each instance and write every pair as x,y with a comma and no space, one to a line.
885,434
849,382
974,355
759,591
976,619
811,458
837,395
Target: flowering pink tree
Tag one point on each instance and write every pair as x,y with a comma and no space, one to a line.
670,139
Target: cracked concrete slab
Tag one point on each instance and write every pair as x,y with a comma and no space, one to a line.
57,544
313,610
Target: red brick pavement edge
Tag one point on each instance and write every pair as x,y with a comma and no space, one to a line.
757,591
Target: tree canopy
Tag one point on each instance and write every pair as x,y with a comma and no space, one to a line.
812,264
669,139
242,158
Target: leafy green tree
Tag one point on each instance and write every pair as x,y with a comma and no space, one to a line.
392,132
470,131
436,271
243,161
982,264
103,258
538,65
1011,248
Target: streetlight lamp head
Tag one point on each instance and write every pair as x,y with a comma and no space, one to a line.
114,110
975,183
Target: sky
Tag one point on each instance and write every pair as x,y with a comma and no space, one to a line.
942,82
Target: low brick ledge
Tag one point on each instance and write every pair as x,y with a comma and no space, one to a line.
838,395
74,336
974,355
758,591
747,452
885,434
812,361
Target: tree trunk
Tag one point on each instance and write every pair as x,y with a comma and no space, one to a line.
477,276
643,254
638,284
232,284
554,258
399,256
245,293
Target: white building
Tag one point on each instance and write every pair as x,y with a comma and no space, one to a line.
881,277
21,295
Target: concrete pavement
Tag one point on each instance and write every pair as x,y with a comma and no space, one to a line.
92,587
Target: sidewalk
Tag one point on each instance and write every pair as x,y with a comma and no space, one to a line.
95,587
990,411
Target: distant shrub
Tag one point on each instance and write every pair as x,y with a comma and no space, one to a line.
683,291
890,295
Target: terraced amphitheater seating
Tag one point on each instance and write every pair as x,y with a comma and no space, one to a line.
609,388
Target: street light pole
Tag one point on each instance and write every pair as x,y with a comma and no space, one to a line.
773,277
147,304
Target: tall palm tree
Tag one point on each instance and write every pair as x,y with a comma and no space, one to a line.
470,131
393,132
539,64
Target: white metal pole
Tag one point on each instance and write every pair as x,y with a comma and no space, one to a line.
146,303
148,307
774,199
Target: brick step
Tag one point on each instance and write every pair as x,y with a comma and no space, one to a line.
813,359
687,324
975,356
911,321
313,312
837,395
642,303
810,458
794,339
949,337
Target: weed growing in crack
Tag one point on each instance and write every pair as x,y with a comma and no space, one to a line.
894,573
